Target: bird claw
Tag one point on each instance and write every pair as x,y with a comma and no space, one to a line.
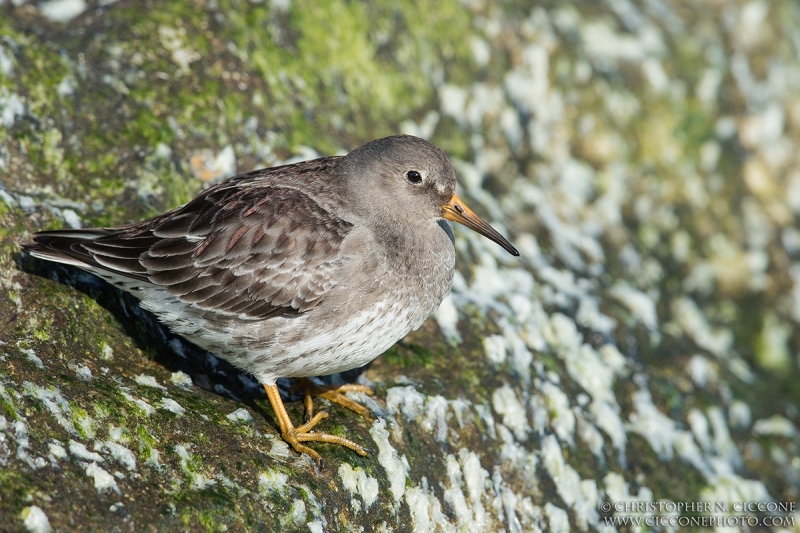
296,436
333,394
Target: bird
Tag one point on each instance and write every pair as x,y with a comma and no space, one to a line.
295,271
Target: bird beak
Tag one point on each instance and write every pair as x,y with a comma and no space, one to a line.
456,211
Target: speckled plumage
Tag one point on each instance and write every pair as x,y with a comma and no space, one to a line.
294,271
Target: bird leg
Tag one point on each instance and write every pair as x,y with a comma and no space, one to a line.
333,394
295,436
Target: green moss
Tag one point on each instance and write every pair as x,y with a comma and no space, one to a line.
695,128
42,332
772,352
8,407
147,442
690,59
15,489
83,422
321,84
408,355
101,412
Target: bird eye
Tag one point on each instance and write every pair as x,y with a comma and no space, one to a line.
414,177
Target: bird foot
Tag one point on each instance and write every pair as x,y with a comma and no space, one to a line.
333,394
296,436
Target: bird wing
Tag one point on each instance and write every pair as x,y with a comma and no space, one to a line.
250,251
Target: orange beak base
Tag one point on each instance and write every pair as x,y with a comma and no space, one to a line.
456,211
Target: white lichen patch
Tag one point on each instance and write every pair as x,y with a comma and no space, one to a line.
589,368
701,371
729,487
659,430
168,404
80,452
181,379
454,496
435,419
618,490
467,488
447,318
54,402
71,217
297,514
106,353
557,518
609,421
153,458
240,416
35,520
103,481
191,467
406,400
18,431
699,425
461,408
118,434
356,481
432,413
427,515
145,407
590,436
580,495
496,349
84,373
149,381
317,526
739,415
62,10
279,448
716,340
395,466
776,425
641,305
484,412
773,351
66,87
6,62
272,481
85,424
562,419
507,405
174,40
32,357
120,454
57,453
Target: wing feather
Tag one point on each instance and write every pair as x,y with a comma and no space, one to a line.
238,249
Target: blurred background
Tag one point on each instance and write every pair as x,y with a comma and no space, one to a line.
642,155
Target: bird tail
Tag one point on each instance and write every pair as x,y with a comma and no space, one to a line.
102,251
65,246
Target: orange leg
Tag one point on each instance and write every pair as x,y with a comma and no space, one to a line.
333,394
295,436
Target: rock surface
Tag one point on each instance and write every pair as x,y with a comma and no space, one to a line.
645,348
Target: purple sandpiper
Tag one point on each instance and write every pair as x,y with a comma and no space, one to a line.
300,270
